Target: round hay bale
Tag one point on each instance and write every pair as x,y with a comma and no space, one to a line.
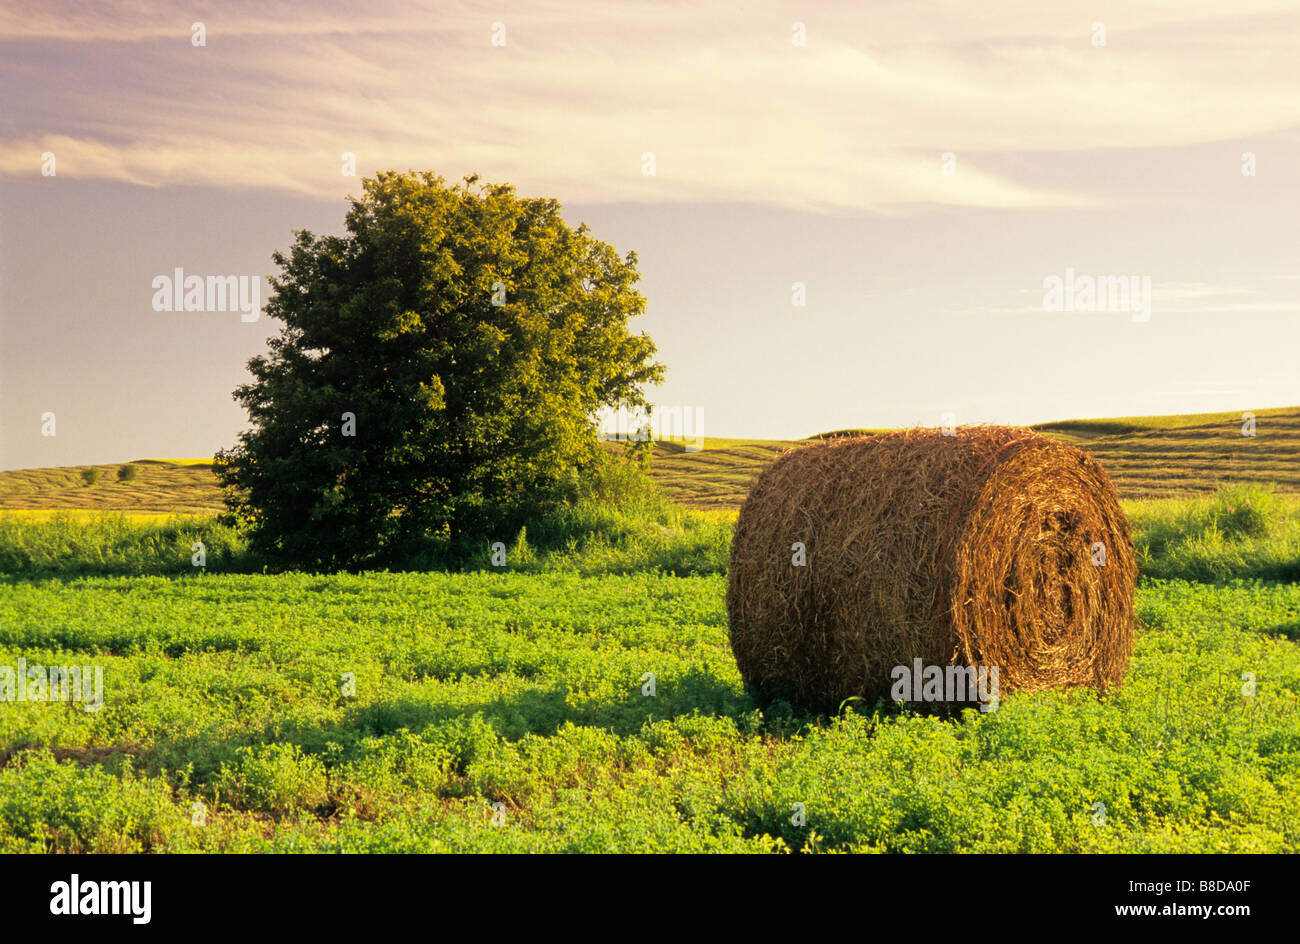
978,548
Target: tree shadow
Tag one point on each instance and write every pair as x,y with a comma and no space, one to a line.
1289,630
540,712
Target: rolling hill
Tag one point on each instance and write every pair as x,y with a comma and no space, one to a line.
1147,456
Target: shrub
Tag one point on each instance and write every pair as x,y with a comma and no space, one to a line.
278,778
47,806
1246,512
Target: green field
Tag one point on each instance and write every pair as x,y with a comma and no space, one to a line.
509,709
484,689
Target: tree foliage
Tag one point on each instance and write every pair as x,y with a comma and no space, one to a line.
436,374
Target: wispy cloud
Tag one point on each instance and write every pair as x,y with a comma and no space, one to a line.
856,120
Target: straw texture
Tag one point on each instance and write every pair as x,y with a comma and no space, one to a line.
977,549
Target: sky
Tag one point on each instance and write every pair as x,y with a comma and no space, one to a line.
915,174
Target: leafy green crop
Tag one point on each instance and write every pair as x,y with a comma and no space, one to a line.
507,712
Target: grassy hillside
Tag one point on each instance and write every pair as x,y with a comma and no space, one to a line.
1147,456
1119,425
1166,459
717,476
170,486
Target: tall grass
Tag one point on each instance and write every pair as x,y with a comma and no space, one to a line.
621,523
1242,531
75,545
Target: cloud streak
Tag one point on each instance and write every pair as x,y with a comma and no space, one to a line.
733,112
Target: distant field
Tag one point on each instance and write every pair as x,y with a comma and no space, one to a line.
1166,460
82,514
1118,425
165,486
718,476
1147,456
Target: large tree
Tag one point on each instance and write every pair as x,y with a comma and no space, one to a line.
436,373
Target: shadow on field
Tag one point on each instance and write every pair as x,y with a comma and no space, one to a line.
463,728
1289,630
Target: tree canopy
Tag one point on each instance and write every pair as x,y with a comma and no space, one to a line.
436,374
